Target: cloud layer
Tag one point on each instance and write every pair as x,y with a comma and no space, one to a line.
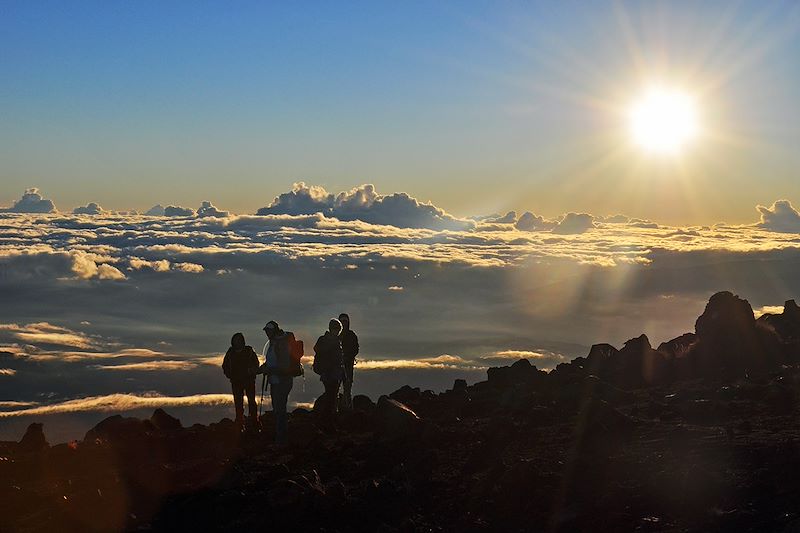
130,304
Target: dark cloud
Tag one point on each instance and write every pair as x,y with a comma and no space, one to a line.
155,211
31,202
91,208
177,211
365,204
781,217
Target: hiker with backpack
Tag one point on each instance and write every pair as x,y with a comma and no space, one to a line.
240,365
329,364
282,364
350,351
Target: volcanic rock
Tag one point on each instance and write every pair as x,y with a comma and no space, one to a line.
33,440
522,372
362,402
394,419
165,422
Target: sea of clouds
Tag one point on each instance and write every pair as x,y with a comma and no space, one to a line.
105,311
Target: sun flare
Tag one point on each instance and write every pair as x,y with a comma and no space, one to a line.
663,120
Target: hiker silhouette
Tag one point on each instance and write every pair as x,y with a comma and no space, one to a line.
349,341
278,370
329,364
240,365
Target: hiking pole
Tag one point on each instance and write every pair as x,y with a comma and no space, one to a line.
263,386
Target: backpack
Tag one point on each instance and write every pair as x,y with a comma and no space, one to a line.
295,356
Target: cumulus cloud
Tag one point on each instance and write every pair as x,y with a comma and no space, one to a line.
31,202
138,263
781,217
530,222
192,268
574,223
105,271
91,208
365,204
155,211
207,209
508,218
177,211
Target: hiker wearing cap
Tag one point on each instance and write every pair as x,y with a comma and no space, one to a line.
349,351
329,364
240,365
278,373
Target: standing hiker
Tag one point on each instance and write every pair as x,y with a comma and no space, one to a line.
329,364
279,371
350,351
240,365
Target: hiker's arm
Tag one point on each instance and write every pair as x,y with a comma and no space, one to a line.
226,364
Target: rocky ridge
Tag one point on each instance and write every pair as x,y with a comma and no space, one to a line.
698,434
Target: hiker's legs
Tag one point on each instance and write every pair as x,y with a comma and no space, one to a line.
279,392
347,387
331,397
252,406
347,384
238,401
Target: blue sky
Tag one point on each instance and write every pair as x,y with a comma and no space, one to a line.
479,107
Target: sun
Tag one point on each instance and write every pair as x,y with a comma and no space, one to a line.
663,120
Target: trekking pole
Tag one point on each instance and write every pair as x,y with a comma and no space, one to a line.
263,386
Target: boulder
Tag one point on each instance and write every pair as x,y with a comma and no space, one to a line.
406,394
637,364
362,402
395,419
33,440
165,422
729,340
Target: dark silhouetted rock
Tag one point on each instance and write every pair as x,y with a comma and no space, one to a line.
34,439
637,364
406,394
729,341
786,324
119,429
164,422
362,402
679,346
460,385
395,419
522,372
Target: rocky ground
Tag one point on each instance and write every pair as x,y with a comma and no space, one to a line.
701,434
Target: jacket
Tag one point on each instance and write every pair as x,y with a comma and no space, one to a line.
328,358
349,345
240,367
